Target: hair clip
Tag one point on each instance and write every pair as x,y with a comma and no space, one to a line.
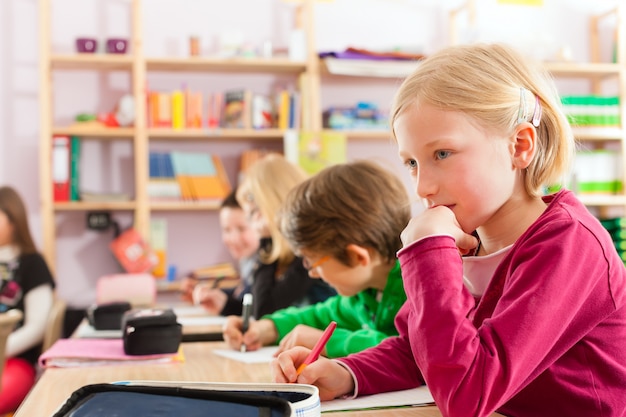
521,115
537,113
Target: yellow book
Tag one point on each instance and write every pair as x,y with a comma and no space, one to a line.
178,110
283,110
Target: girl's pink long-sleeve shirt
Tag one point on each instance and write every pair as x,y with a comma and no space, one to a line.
548,337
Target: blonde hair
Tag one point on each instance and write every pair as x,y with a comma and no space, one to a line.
358,203
490,83
266,184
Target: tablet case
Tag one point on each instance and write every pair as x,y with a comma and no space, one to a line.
107,316
150,332
148,398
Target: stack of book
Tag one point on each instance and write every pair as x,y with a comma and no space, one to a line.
189,176
617,229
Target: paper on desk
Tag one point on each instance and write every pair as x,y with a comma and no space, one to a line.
189,311
414,396
202,321
87,331
263,355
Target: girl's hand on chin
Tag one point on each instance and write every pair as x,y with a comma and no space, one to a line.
437,221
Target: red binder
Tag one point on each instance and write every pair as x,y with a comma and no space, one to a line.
61,168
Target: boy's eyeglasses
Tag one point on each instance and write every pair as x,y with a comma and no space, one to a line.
310,266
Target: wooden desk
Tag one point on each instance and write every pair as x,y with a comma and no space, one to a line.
57,384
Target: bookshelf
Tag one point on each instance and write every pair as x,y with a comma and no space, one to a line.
138,67
310,74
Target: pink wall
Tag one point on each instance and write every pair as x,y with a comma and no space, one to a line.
194,238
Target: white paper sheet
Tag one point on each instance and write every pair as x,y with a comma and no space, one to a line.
414,396
189,311
87,331
202,321
263,355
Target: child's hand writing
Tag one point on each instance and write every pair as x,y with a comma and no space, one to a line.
439,220
331,378
301,335
212,299
259,333
187,286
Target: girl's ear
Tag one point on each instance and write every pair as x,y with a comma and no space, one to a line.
358,255
524,145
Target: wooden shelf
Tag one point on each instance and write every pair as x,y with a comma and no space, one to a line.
363,134
583,70
215,134
92,61
602,200
238,65
184,205
94,205
602,134
90,132
367,67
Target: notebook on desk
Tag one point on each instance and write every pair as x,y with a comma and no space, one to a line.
96,352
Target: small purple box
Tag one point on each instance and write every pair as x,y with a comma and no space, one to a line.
86,45
116,45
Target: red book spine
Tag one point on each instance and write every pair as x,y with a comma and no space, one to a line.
61,168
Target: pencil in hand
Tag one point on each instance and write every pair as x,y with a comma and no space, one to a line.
317,349
247,310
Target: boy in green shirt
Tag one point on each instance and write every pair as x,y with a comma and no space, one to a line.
345,222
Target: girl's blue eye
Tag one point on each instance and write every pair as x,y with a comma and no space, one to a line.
442,154
411,163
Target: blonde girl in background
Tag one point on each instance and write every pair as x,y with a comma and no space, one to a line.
280,279
516,301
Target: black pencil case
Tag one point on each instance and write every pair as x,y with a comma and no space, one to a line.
241,400
107,316
151,332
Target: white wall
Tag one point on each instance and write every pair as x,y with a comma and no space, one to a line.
420,25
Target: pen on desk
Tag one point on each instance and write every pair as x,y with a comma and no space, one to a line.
319,346
217,281
247,310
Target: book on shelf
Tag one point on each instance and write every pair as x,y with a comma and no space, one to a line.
214,110
222,275
133,252
283,103
597,171
288,109
158,243
75,145
262,112
200,176
61,168
221,270
162,183
194,109
236,114
164,113
315,151
179,118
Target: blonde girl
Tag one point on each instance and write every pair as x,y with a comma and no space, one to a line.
516,301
